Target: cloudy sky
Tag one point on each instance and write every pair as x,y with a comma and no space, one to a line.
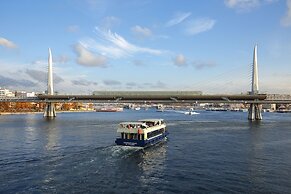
145,45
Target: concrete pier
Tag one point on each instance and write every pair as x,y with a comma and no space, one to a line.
255,110
50,110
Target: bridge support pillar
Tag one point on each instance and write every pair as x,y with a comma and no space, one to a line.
255,112
50,110
255,109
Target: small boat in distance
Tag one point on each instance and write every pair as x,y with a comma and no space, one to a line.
191,113
109,109
141,133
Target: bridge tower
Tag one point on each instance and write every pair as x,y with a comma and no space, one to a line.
50,110
255,109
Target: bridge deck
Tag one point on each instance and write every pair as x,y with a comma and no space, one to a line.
153,97
148,96
201,99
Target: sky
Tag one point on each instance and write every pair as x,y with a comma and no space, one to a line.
145,45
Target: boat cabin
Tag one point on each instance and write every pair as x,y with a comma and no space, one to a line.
141,130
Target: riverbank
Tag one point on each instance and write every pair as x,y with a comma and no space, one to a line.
20,113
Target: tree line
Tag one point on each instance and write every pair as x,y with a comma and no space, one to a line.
38,107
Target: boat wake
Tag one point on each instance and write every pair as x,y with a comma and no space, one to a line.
121,151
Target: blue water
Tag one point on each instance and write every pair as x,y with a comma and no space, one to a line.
213,152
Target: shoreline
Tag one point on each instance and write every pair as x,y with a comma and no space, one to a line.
21,113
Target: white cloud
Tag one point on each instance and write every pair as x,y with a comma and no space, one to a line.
180,60
199,25
83,82
41,76
246,5
87,58
142,32
178,18
110,22
286,20
115,46
7,43
16,82
241,4
61,59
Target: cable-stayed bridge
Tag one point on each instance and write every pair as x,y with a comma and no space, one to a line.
254,99
145,97
135,97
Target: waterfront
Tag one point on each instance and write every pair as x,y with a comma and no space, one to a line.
209,152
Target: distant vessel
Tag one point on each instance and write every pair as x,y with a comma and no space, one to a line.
109,109
141,133
137,108
191,113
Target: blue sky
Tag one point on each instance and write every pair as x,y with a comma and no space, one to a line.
145,45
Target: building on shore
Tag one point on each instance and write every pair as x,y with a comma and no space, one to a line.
6,93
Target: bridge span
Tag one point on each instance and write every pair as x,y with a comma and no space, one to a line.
151,97
169,97
254,98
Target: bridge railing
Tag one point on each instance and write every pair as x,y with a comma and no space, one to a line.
18,99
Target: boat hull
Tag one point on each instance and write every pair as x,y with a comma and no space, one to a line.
141,143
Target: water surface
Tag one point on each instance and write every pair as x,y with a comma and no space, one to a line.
209,152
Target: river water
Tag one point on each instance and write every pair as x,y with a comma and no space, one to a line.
213,152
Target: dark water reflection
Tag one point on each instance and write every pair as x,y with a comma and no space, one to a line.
210,152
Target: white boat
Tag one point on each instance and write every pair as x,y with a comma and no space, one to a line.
187,112
141,133
109,109
191,113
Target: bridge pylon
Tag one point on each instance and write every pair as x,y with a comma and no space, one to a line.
255,109
50,110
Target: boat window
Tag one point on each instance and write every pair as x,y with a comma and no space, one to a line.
150,124
155,133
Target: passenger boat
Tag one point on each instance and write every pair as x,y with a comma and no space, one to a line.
141,133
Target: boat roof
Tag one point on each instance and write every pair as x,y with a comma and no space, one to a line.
132,123
150,120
